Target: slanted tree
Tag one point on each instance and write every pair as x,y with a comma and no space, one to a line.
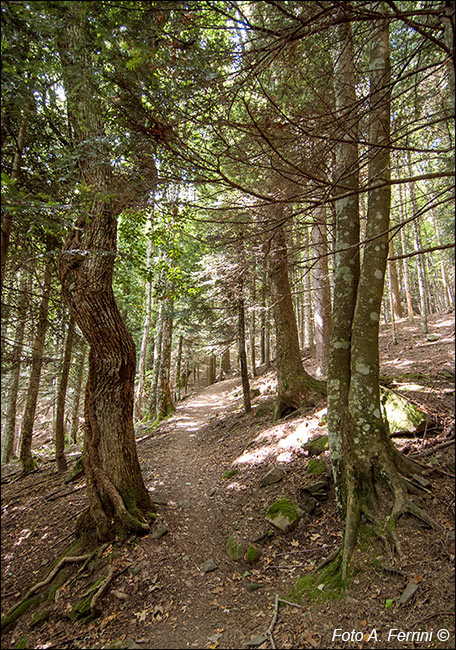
118,499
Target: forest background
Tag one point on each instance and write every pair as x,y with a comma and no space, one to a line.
194,187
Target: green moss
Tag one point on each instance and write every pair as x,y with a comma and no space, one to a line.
252,555
234,548
22,643
316,446
322,585
285,507
39,617
10,619
229,473
82,608
400,413
316,466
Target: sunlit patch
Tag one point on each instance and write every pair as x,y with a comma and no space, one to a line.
23,535
237,487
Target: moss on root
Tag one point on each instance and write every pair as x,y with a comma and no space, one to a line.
10,619
323,584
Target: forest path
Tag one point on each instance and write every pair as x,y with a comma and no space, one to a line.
190,454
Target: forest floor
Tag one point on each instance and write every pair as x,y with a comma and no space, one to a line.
160,596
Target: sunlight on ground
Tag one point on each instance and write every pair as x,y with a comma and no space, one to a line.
283,440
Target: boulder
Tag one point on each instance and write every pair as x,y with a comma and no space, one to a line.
274,475
284,514
235,547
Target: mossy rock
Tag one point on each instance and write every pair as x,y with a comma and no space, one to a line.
316,466
283,514
234,548
77,471
229,474
264,409
252,555
400,414
317,445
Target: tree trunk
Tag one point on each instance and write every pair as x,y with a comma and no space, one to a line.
164,404
405,269
307,317
396,307
61,395
295,387
179,377
321,294
253,327
362,453
211,369
226,363
77,397
242,352
152,408
9,430
28,418
118,499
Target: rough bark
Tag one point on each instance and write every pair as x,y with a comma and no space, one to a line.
321,294
118,499
295,387
212,370
28,418
362,453
77,396
179,378
61,397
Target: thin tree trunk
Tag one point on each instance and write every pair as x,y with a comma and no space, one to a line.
295,386
405,269
242,352
61,396
179,377
9,430
307,333
35,374
77,397
253,327
212,370
164,404
321,294
146,326
396,307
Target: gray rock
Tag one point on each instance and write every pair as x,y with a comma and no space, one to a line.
207,566
274,475
158,531
408,592
256,641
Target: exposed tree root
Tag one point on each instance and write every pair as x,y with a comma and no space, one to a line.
101,589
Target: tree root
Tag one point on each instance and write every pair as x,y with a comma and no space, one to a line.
101,589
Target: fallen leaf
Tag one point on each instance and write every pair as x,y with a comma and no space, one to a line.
363,623
417,578
294,542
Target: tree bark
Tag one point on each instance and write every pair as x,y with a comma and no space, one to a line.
28,418
118,499
146,331
396,306
61,396
77,396
321,294
243,353
164,404
295,387
362,453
